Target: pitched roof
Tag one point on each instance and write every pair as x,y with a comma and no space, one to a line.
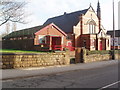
24,32
31,31
56,27
117,33
66,21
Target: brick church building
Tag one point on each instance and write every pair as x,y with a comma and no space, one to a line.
77,29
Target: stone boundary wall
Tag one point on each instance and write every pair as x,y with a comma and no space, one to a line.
82,57
117,56
100,57
96,57
34,60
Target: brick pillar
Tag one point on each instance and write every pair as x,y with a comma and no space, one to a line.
50,43
67,58
62,42
77,55
96,42
99,25
81,24
83,55
80,55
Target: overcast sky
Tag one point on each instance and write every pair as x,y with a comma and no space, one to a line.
41,10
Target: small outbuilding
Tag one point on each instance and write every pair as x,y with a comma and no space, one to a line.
43,38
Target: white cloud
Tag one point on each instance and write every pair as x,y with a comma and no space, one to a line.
41,10
107,15
32,21
45,9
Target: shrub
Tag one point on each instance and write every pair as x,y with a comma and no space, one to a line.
102,52
98,52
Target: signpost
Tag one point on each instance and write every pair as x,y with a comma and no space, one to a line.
113,55
119,15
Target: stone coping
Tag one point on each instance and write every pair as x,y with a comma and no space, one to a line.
32,53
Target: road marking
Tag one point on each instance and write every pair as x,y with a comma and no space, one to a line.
109,85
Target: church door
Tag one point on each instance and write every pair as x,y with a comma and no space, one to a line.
101,45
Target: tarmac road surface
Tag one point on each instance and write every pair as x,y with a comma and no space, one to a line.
104,76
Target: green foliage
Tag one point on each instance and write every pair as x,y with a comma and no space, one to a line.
102,52
17,51
117,51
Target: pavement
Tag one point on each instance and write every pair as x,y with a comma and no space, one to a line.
8,74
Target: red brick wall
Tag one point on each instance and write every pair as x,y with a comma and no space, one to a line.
87,39
90,41
49,31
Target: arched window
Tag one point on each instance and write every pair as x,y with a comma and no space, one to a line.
92,28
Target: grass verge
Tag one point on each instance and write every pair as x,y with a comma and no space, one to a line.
17,51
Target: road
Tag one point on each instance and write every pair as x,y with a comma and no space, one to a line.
101,77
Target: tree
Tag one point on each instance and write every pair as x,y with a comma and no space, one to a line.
11,10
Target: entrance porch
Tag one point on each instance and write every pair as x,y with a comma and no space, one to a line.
56,43
53,42
102,44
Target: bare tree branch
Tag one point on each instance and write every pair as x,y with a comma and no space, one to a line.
11,10
6,20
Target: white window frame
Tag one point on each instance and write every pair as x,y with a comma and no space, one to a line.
92,28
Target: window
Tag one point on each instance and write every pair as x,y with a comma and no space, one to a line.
42,39
108,42
92,28
84,43
69,36
24,37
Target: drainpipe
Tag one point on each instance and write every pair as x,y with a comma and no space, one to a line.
81,23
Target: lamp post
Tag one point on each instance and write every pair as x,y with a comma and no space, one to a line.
113,55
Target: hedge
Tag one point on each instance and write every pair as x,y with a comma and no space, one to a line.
102,52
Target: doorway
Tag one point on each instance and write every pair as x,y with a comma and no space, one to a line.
101,45
56,43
